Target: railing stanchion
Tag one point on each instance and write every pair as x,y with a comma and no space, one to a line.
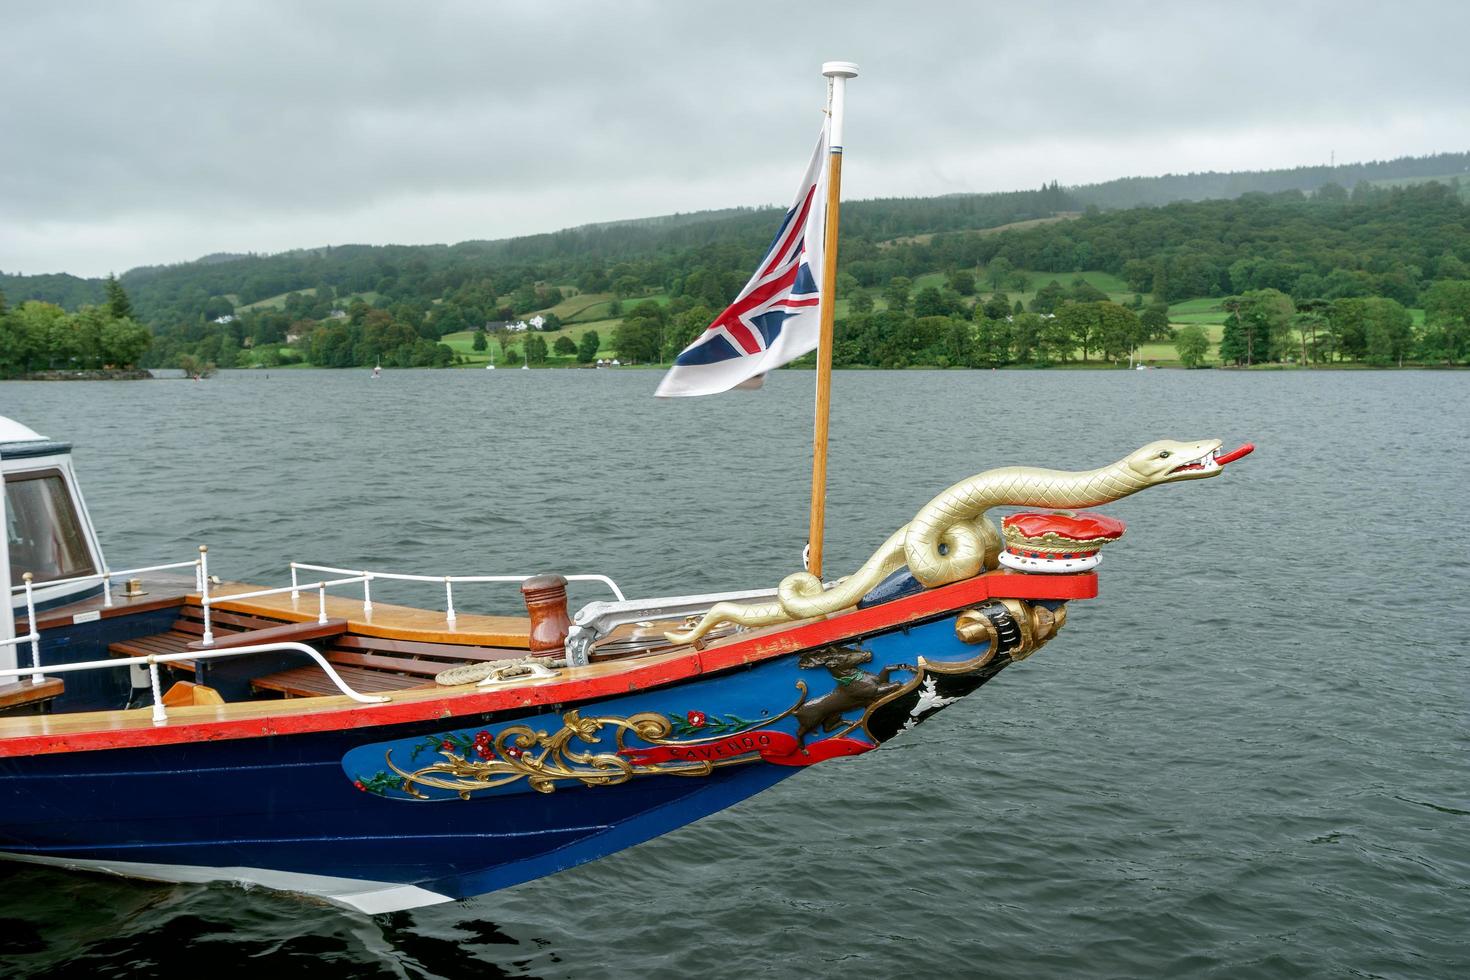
208,638
159,714
202,582
36,677
152,662
108,575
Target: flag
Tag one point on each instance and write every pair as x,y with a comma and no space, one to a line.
777,316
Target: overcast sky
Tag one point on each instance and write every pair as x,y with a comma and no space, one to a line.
136,133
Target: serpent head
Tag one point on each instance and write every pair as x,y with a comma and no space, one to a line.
1167,461
950,539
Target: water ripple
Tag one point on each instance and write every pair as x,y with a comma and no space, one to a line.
1246,759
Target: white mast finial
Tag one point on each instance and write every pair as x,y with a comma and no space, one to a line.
837,74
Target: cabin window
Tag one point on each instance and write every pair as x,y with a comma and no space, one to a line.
41,523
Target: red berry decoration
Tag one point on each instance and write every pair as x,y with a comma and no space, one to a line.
482,738
696,719
358,784
483,751
447,745
513,751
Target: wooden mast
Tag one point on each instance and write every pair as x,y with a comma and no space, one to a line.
837,73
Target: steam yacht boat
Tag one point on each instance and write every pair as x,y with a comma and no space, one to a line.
160,723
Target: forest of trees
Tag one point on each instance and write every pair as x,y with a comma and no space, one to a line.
1340,267
41,336
1372,242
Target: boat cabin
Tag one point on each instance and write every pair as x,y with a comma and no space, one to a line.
48,532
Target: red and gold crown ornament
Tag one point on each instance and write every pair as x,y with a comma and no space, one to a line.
1059,542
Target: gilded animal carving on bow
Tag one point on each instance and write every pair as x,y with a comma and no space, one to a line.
950,539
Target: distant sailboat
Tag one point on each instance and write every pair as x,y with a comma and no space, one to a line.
377,371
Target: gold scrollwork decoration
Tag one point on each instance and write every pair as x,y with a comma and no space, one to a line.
540,758
973,626
1037,623
544,759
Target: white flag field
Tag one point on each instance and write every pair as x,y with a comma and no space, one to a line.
777,316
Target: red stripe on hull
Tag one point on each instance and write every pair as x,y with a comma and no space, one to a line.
859,622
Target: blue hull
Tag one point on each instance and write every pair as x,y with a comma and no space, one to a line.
284,804
466,805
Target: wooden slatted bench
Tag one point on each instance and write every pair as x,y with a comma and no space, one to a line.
14,694
374,665
230,629
284,633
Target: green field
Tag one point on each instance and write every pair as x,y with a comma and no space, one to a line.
925,239
1162,352
598,306
1116,288
279,302
578,307
1201,311
463,343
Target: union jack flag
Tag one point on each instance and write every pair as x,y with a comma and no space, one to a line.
776,317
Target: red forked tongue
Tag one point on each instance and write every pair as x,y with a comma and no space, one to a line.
1231,457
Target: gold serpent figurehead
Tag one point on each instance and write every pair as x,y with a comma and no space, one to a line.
950,539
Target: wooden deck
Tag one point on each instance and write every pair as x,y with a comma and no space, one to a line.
14,694
389,621
386,620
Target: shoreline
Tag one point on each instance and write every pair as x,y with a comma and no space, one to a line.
1049,368
94,374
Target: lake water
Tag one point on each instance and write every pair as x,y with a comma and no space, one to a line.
1247,757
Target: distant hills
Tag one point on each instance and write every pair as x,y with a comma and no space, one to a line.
1129,192
216,283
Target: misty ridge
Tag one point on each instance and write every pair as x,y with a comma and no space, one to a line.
252,277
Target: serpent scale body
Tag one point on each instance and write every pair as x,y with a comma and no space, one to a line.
956,520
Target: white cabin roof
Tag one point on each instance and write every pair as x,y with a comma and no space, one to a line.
13,431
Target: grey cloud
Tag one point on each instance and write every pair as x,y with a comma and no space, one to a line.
154,131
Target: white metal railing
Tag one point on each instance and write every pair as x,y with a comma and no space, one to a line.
352,576
206,600
203,582
107,575
448,581
28,586
160,714
33,636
